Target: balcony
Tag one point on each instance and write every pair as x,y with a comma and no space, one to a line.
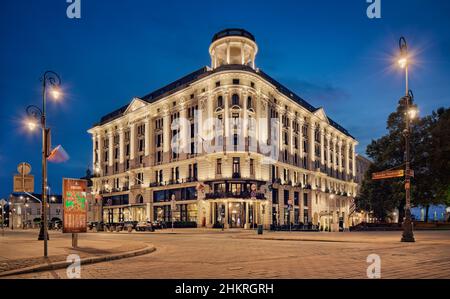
237,195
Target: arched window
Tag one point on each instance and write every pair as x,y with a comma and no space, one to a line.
139,199
235,100
249,103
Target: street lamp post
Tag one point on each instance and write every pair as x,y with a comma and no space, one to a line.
53,80
410,113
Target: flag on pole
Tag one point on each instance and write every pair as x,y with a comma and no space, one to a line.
58,155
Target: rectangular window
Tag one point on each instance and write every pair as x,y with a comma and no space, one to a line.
286,197
195,171
219,166
275,196
305,199
252,167
296,198
236,165
235,81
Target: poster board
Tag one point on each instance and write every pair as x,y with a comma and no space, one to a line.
74,206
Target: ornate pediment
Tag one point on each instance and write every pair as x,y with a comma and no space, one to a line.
135,104
320,113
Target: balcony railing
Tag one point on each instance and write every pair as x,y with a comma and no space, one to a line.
240,195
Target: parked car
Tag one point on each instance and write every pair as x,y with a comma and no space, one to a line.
100,226
159,224
145,226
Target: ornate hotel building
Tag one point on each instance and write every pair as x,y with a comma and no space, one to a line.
140,174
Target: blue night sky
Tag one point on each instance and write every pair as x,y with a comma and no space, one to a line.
327,51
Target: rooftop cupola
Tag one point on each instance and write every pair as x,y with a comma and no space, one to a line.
233,46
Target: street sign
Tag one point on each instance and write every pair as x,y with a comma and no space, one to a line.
24,168
388,174
23,183
74,206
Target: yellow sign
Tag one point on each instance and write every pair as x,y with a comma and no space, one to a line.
388,174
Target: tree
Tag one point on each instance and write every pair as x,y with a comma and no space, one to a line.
430,159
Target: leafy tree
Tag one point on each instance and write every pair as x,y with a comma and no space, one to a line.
430,159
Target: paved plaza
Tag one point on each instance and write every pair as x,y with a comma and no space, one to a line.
191,253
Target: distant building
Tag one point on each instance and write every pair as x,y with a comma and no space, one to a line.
26,210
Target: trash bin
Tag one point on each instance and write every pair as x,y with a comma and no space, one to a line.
260,229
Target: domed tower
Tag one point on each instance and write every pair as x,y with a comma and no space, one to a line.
233,46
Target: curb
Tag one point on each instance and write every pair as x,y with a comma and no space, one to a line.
84,261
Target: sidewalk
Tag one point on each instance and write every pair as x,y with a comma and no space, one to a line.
422,237
20,248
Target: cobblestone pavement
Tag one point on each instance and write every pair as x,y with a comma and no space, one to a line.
21,249
208,254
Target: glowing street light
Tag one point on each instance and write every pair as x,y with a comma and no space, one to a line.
403,62
56,93
411,112
50,84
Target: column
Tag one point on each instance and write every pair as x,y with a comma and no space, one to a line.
245,116
301,122
340,155
335,153
354,160
227,116
281,206
347,158
242,53
253,60
261,137
228,53
328,151
147,137
185,138
110,148
132,140
100,152
322,145
94,139
226,222
166,132
121,145
291,135
148,212
280,132
247,226
311,140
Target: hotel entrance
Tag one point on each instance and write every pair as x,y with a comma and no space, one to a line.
237,215
234,214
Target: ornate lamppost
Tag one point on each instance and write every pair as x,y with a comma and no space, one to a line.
407,102
52,80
